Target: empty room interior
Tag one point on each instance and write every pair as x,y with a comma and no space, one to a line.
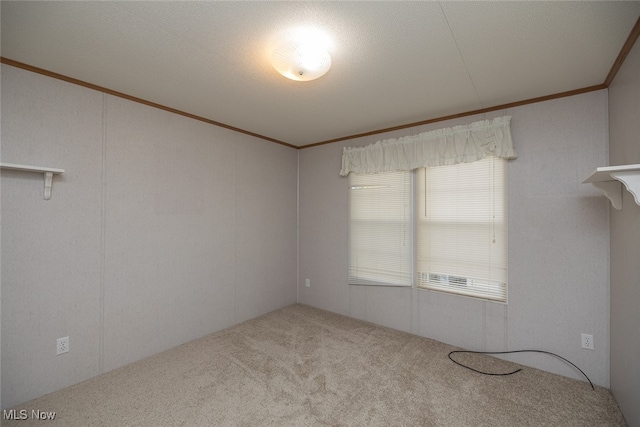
204,224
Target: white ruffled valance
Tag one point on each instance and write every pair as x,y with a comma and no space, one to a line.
448,146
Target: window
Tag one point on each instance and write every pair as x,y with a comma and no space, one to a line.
380,229
461,233
457,226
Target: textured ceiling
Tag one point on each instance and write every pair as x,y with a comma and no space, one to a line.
394,63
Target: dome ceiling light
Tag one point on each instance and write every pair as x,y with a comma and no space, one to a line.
301,55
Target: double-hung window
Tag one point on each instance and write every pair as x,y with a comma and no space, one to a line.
380,229
461,229
442,228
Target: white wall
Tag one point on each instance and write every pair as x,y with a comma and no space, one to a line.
558,245
162,229
624,119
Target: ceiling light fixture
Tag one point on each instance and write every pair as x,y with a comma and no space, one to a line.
301,55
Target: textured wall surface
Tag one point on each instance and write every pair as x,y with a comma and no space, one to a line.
624,140
51,249
558,245
162,229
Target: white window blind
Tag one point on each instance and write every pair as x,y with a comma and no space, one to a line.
380,229
461,231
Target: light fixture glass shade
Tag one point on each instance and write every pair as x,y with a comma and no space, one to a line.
301,59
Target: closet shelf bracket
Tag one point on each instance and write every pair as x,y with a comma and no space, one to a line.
48,174
611,178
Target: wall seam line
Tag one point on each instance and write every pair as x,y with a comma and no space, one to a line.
298,228
103,209
235,244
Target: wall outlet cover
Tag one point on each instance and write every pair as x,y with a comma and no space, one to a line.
62,345
587,341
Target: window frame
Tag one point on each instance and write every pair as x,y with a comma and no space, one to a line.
406,276
493,290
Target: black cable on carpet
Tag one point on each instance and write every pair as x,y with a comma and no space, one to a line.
510,352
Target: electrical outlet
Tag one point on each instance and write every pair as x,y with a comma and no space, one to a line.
307,283
62,345
587,341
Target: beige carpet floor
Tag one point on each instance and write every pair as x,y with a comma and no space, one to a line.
300,366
